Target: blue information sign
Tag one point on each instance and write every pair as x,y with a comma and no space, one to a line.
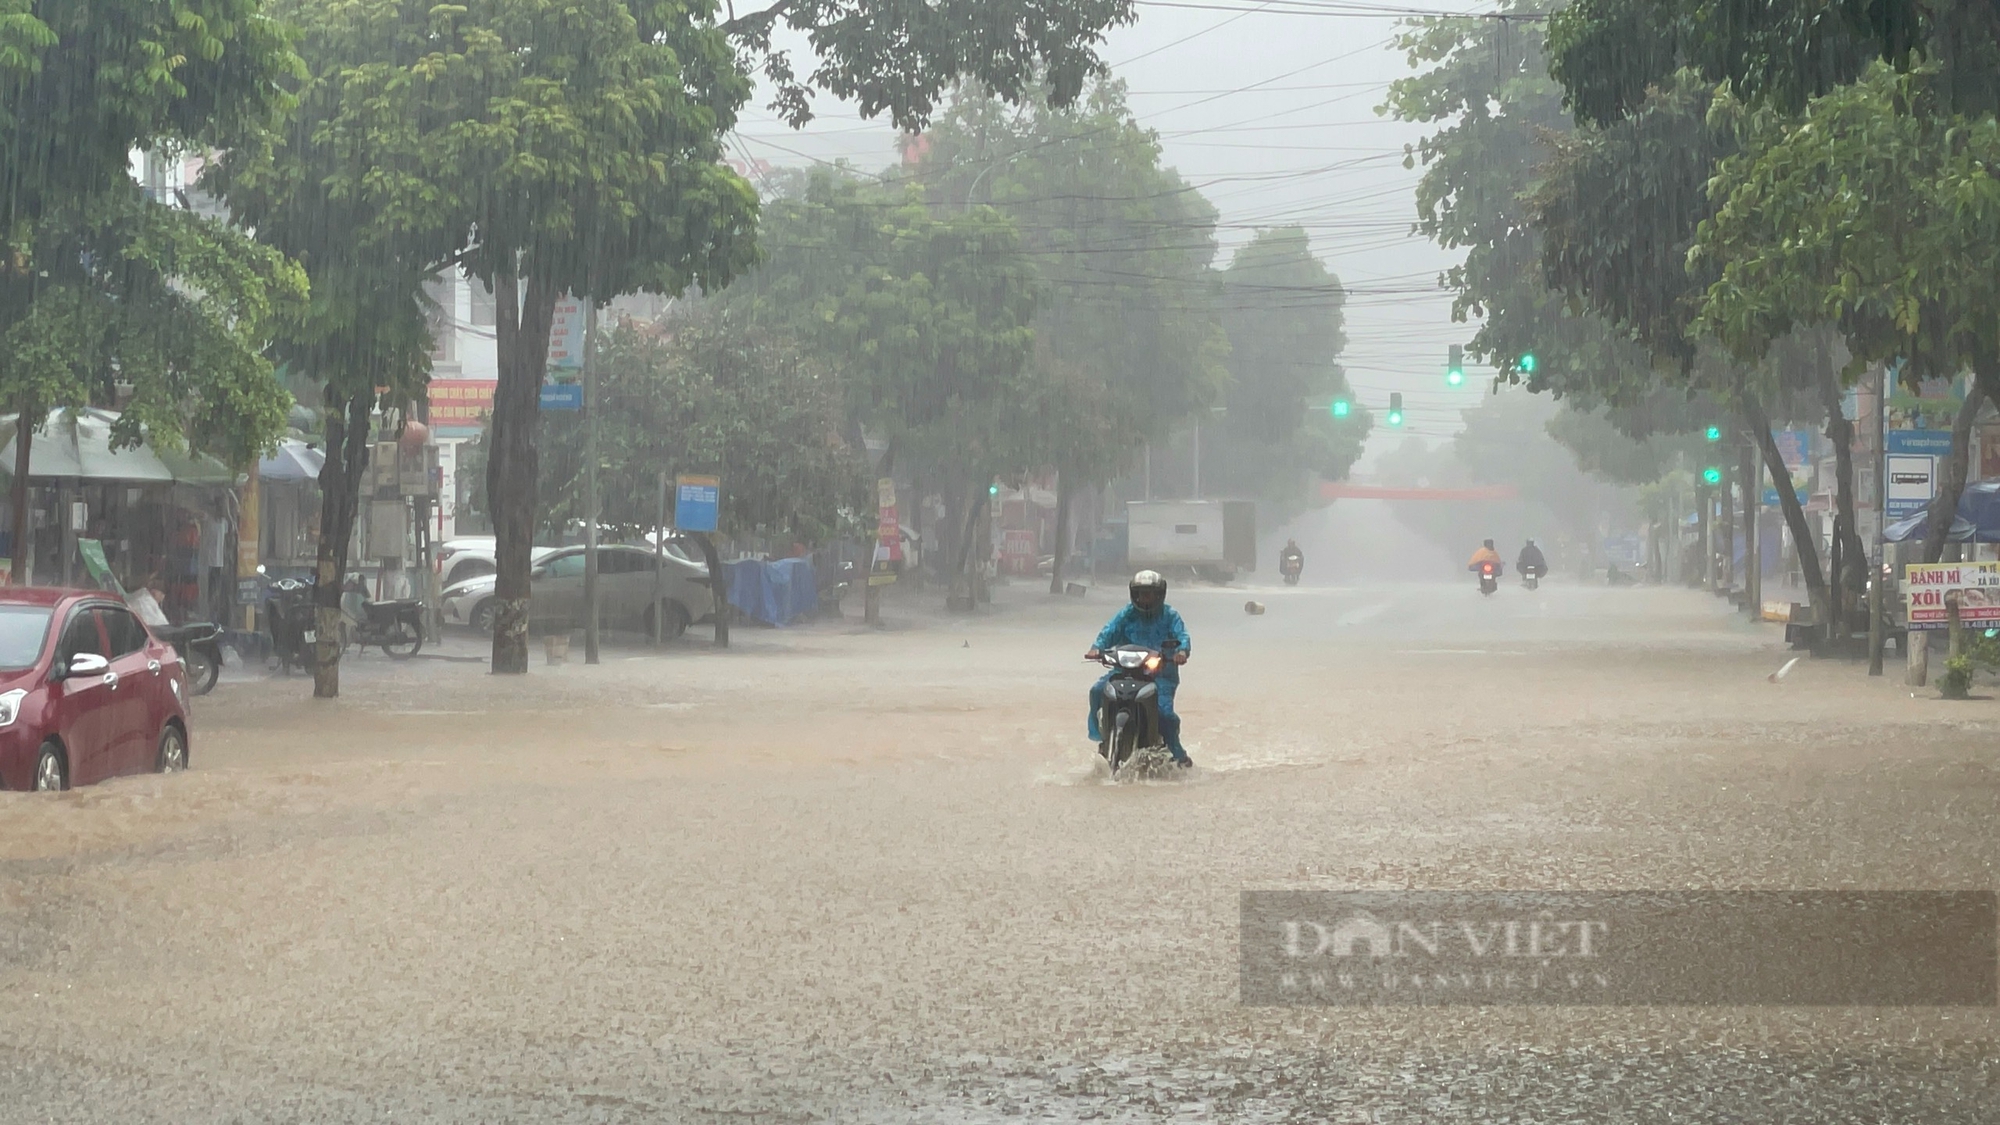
562,396
696,500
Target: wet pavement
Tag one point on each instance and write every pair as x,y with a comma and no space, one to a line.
839,875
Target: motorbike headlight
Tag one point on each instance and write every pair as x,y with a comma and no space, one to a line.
10,706
1152,664
1131,659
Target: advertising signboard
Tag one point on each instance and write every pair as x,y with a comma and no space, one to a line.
1930,588
460,404
697,501
566,335
1912,460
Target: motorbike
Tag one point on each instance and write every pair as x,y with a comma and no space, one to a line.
200,648
1290,566
1489,577
1531,577
396,627
1129,720
293,620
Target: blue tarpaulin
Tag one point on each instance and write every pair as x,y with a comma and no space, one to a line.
1977,519
777,592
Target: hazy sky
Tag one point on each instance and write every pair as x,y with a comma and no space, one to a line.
1273,116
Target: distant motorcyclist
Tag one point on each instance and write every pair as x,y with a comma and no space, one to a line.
1291,561
1150,622
1531,560
1485,554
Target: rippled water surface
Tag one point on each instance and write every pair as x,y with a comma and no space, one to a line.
834,875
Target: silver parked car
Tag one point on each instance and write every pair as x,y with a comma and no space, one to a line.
625,591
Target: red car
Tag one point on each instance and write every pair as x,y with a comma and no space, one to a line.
86,691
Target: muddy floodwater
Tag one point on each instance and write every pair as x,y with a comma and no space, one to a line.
848,876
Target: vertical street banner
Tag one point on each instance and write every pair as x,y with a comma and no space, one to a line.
566,336
888,535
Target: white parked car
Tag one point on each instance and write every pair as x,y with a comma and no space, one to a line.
625,591
470,557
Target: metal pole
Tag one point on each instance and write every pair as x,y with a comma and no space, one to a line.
1878,601
1149,470
659,554
590,590
1197,460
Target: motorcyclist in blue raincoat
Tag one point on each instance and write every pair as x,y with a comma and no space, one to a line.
1151,622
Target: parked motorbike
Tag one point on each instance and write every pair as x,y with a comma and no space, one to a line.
1290,566
1129,720
200,647
291,617
396,627
1489,577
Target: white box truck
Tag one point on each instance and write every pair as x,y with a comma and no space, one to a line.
1215,536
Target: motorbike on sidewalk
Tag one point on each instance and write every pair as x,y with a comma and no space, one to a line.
1128,720
1489,577
1290,566
200,648
396,627
294,624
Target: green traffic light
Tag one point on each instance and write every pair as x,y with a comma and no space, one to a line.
1714,433
1340,408
1527,363
1395,409
1395,417
1712,475
992,490
1454,377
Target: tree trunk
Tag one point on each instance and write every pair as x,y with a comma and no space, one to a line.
339,501
1064,494
961,581
521,329
1944,506
24,439
1803,541
718,588
1851,568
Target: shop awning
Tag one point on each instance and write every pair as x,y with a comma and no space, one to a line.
77,444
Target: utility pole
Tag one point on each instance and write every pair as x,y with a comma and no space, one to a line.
659,557
590,482
1878,597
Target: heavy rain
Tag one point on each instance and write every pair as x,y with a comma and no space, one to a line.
1074,560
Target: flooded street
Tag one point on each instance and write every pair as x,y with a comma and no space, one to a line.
836,875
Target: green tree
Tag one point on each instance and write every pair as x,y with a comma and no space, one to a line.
1128,342
574,146
363,339
1498,116
1282,310
700,394
1609,53
548,147
174,305
1876,211
82,84
926,316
